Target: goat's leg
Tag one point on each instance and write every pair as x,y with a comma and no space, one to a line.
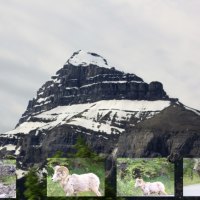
75,193
163,192
69,191
96,191
159,193
67,194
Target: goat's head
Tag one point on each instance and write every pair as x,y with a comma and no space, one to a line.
196,164
60,172
139,182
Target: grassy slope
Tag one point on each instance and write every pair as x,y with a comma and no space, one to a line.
188,181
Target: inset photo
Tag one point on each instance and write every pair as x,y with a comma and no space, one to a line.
7,178
145,177
191,177
75,177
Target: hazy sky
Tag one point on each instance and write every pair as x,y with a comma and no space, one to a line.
155,39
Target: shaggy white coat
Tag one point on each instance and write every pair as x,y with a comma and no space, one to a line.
149,188
72,184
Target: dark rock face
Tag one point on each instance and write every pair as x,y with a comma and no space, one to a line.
174,132
82,84
37,148
155,90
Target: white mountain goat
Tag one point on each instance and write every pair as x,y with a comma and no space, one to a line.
149,188
72,184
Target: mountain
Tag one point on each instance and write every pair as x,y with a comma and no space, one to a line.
86,77
116,112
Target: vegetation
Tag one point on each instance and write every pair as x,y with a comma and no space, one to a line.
156,169
190,177
35,187
8,179
9,162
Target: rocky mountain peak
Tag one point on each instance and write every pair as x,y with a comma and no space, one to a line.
82,58
85,78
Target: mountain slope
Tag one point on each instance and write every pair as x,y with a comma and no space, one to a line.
174,132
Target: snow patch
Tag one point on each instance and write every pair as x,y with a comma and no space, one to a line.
26,127
97,116
83,58
95,126
20,173
41,100
9,147
108,82
17,151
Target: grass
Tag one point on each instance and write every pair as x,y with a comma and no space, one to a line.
7,180
54,189
9,162
187,180
126,187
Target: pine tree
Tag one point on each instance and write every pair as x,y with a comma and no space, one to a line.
83,150
35,188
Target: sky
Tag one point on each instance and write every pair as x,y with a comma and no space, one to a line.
154,39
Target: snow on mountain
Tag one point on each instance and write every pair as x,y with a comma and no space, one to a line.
83,58
20,173
8,147
105,116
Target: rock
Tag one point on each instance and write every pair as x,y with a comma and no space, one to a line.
6,170
8,191
36,149
155,90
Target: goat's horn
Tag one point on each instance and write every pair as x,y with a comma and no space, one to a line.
67,171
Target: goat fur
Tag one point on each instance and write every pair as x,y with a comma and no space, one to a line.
72,184
149,188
